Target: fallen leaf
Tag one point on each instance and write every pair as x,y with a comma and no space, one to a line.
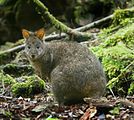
39,108
86,115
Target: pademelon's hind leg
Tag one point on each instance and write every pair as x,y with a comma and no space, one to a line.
64,89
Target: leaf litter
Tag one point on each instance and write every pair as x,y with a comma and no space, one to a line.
44,107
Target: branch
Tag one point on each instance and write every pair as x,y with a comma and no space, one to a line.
55,37
43,10
17,48
93,24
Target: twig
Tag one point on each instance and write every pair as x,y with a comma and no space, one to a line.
17,48
112,92
5,98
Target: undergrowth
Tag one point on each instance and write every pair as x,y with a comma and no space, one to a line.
116,53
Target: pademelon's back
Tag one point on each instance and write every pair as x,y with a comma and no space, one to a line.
69,51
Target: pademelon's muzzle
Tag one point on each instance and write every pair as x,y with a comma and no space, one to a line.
33,56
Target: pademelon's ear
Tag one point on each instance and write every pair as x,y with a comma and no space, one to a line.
25,33
40,33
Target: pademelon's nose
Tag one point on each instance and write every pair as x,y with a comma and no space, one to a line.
32,56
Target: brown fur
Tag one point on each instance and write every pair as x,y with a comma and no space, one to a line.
73,70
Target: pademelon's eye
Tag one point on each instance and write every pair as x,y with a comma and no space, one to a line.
37,47
28,47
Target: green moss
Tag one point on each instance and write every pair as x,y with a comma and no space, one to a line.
124,35
20,89
36,86
114,59
116,53
6,79
31,86
121,14
118,62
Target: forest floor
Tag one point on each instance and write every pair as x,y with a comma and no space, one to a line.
43,107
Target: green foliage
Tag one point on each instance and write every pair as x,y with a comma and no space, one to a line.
31,86
115,111
116,53
115,59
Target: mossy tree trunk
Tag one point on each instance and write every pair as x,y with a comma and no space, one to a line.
43,10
